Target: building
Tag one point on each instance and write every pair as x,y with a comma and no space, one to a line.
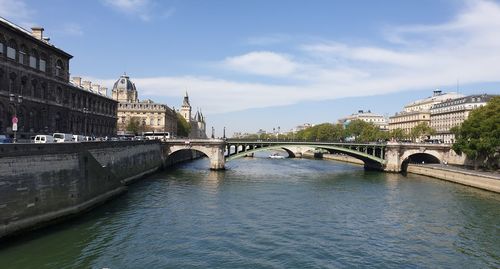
35,87
408,120
152,116
425,104
197,123
418,112
451,113
366,116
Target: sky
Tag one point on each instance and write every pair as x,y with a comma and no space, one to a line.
260,64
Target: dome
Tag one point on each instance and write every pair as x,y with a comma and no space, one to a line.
124,83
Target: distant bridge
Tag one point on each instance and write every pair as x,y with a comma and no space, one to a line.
387,156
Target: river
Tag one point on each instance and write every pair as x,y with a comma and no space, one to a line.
274,213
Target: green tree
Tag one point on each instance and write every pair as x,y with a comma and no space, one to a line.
136,125
479,136
183,127
422,129
398,134
364,131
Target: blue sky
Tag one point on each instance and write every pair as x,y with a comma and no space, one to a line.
262,64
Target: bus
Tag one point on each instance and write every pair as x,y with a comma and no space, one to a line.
156,135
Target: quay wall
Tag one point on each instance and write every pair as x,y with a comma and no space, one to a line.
42,183
468,178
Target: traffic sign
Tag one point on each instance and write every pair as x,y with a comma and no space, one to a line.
14,127
14,120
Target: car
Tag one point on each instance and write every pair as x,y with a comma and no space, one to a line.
5,139
42,139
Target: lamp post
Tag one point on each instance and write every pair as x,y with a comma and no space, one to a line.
15,102
278,134
85,112
224,133
213,132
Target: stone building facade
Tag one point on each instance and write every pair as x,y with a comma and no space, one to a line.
418,112
154,117
367,116
451,113
408,120
35,72
197,123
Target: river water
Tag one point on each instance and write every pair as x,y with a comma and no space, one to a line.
275,213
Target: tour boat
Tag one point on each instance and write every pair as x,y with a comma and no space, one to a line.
276,156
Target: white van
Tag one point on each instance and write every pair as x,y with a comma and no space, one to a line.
44,139
61,138
78,138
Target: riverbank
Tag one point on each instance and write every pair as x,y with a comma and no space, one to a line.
484,181
336,157
481,180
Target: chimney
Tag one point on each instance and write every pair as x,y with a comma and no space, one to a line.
96,87
37,32
87,85
103,91
77,81
360,111
437,92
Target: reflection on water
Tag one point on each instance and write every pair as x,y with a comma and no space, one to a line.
275,213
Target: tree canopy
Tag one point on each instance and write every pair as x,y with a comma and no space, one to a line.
479,135
136,125
183,127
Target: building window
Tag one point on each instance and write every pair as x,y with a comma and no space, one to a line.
11,53
59,68
22,56
32,61
1,47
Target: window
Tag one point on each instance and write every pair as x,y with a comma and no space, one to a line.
11,53
1,47
32,61
22,56
59,68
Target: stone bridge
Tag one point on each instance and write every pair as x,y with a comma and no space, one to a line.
391,157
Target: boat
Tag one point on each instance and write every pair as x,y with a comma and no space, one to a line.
276,156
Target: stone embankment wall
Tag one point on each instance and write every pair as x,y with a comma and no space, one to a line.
469,178
335,157
41,183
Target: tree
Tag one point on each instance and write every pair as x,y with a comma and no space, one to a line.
422,129
136,125
479,135
183,127
364,131
398,134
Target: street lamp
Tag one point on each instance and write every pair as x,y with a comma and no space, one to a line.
224,133
278,135
213,132
85,112
15,102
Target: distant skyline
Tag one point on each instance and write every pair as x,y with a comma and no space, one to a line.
262,64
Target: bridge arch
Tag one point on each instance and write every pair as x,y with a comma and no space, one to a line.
370,161
418,156
214,154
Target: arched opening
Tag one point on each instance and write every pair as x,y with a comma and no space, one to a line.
182,155
418,158
369,164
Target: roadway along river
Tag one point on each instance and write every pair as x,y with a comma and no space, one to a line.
272,213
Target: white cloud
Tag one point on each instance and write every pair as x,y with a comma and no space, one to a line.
146,10
73,29
261,63
17,11
466,48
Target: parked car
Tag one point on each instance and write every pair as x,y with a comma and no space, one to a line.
5,139
61,138
44,139
78,138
